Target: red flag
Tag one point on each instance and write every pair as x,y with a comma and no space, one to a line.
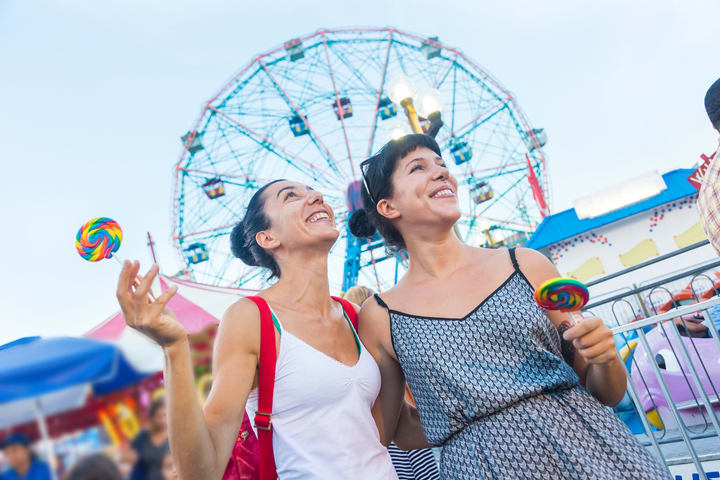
536,189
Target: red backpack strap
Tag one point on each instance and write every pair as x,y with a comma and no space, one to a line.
266,387
349,311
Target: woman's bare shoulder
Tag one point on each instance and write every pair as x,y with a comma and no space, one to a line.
393,295
535,266
240,326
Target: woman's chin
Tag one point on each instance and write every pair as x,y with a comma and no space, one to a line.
448,215
329,233
317,240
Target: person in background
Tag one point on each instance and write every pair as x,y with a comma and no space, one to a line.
709,195
149,447
168,468
418,464
358,294
23,463
94,467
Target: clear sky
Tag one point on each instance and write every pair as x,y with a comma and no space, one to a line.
94,96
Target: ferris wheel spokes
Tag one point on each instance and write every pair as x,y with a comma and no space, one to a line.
321,146
311,110
278,150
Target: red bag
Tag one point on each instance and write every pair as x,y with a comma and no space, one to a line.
252,457
243,463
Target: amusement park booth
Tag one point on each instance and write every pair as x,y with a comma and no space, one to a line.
654,279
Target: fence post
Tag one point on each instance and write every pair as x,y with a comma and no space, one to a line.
673,408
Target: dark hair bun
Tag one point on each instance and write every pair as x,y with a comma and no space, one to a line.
360,224
238,247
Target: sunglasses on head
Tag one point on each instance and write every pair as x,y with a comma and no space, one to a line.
363,167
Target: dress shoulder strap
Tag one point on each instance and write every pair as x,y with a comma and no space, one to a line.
380,301
513,259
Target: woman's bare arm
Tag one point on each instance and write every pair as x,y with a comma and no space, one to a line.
201,442
202,439
374,327
395,419
409,434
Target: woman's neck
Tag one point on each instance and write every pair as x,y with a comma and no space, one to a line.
435,256
304,281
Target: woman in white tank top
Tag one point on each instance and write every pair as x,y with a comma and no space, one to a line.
321,414
326,382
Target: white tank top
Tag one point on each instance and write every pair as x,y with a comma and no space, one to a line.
322,425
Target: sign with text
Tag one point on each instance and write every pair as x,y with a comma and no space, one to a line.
697,176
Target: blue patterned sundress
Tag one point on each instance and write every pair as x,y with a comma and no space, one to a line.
493,390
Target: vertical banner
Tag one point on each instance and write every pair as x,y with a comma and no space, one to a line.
536,189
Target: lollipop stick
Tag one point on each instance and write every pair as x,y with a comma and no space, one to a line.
575,318
136,280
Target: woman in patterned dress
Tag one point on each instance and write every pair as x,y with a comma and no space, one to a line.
494,384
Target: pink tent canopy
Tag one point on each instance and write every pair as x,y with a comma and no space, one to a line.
195,305
193,316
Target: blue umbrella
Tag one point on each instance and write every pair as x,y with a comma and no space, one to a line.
34,366
45,376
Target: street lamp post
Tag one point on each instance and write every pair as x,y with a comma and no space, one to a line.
429,105
486,228
426,103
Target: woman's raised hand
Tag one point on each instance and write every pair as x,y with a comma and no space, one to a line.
151,318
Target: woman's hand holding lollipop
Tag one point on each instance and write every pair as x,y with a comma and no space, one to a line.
99,239
592,339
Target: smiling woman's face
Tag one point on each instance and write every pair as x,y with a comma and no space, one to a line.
299,216
424,192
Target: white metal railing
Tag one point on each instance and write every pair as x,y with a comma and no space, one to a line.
695,372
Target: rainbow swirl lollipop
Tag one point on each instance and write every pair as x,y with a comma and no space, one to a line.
564,294
98,239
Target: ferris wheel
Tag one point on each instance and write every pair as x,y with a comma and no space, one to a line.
313,108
